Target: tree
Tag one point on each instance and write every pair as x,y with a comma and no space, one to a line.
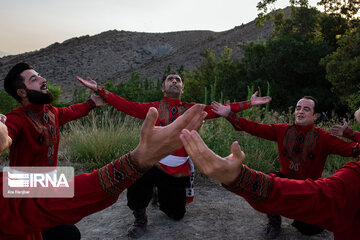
343,70
347,9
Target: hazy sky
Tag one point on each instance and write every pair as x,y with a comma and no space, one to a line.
30,25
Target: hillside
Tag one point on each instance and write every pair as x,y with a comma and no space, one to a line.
116,54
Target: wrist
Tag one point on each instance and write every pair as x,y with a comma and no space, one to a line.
139,159
99,90
230,116
349,133
91,104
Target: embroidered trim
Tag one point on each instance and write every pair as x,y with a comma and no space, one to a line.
356,150
234,120
308,145
251,181
116,176
164,112
349,133
91,104
102,92
244,105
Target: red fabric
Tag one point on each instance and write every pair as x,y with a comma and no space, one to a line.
139,110
25,218
32,141
332,203
302,150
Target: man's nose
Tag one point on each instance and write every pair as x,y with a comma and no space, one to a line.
43,80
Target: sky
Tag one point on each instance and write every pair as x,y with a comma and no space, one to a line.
30,25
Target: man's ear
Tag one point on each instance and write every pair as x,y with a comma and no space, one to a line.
316,116
21,92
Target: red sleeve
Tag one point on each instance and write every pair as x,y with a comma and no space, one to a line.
235,107
331,203
265,131
335,145
67,114
352,135
93,192
138,110
13,124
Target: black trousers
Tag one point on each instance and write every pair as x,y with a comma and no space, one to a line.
304,228
171,192
68,232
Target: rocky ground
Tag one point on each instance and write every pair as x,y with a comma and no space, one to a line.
214,214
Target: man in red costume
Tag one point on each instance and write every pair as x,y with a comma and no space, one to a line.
172,174
331,203
303,150
34,126
26,218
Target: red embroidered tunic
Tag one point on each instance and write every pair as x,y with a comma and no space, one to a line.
302,149
26,218
331,203
34,131
175,164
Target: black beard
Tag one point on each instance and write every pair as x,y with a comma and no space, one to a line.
38,97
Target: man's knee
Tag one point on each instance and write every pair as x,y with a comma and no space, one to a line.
175,215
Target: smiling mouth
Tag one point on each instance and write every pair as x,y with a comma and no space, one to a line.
43,87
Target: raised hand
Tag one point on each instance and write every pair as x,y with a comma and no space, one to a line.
255,100
99,101
158,142
339,130
5,140
221,110
89,83
224,170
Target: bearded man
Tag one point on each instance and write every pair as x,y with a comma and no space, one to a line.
34,127
173,175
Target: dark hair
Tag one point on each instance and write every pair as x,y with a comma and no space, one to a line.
316,103
13,81
172,72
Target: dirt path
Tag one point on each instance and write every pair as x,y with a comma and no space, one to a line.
214,214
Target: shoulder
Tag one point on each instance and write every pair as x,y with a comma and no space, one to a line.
15,113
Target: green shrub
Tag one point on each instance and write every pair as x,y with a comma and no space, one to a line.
99,140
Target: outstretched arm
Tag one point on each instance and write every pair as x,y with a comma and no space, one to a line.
345,131
138,110
339,130
99,189
88,82
255,100
224,170
224,110
324,202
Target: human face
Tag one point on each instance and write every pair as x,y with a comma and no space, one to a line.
304,112
173,86
357,115
33,81
36,90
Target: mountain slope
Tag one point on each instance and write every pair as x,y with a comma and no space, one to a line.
116,54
